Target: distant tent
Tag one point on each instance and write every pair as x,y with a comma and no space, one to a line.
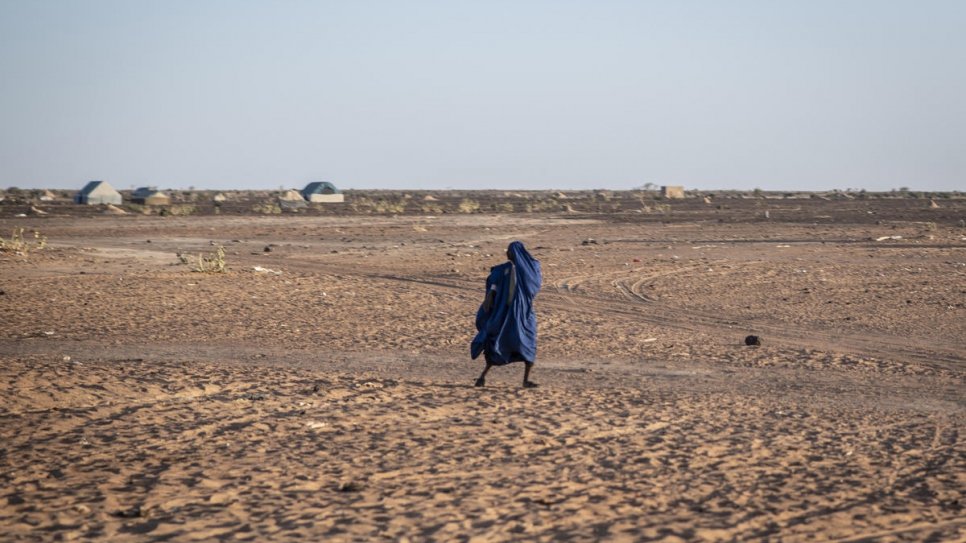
322,191
672,192
97,192
150,196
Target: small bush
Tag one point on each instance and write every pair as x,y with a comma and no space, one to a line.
182,210
212,263
361,204
20,245
542,206
431,208
267,207
505,207
469,206
387,206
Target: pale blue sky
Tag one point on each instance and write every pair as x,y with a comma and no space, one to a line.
518,94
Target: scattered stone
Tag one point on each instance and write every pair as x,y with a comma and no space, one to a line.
133,512
589,241
349,486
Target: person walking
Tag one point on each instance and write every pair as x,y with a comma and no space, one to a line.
506,323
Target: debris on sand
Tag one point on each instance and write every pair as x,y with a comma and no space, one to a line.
349,486
933,204
37,211
112,209
259,269
885,238
753,341
589,241
133,512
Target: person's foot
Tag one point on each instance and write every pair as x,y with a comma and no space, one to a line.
529,384
480,382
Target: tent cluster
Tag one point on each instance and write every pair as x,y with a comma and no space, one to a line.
100,192
316,191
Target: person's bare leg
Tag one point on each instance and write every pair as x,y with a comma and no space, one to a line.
527,383
482,379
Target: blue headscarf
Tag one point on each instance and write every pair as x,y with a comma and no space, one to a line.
508,328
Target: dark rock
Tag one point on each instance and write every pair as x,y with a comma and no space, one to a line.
753,341
349,486
133,512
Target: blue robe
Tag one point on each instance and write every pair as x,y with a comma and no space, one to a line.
507,331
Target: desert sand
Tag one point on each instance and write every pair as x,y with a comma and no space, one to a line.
321,389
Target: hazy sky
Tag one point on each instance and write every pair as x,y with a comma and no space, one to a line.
519,94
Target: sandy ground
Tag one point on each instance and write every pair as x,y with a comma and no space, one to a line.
330,396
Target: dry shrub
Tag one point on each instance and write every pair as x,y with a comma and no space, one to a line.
361,204
504,207
542,206
388,206
267,207
431,208
211,263
179,210
656,208
18,244
469,206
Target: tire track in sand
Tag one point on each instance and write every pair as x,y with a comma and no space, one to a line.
642,308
